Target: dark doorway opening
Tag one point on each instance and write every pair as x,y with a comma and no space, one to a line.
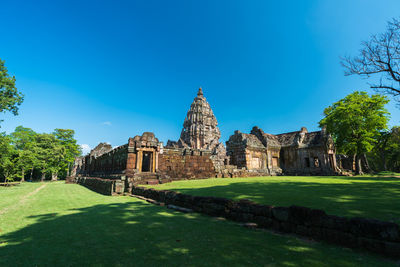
307,161
146,162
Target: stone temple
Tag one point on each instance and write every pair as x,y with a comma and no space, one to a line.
198,153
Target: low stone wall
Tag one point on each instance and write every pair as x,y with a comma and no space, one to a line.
99,185
373,235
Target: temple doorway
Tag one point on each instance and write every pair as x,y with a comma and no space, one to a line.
146,162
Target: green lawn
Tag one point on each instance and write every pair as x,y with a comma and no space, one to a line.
374,197
57,224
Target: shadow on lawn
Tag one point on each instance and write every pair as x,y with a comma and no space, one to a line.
377,198
140,234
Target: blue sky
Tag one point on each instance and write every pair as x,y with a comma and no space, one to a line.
114,69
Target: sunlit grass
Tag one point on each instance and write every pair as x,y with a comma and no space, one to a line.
69,225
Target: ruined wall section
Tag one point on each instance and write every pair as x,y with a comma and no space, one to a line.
273,148
186,164
245,150
236,150
111,164
307,153
306,161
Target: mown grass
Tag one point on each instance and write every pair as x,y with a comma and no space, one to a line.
69,225
372,197
388,173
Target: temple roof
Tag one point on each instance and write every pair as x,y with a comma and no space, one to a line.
200,92
200,127
100,149
243,139
268,140
298,138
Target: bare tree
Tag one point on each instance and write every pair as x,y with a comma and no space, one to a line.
379,57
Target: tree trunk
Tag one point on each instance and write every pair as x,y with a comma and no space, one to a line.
383,159
68,170
6,177
358,165
31,173
43,176
365,163
23,175
54,176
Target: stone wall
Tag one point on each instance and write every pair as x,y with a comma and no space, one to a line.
373,235
186,164
306,161
295,153
112,163
102,186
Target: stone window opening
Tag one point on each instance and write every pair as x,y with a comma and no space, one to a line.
307,161
316,162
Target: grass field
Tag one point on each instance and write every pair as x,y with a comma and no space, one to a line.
57,224
374,197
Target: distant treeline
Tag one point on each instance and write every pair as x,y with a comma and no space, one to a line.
27,155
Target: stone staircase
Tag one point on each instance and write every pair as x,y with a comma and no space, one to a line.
148,178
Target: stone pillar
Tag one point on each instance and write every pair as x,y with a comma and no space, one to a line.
153,162
139,160
156,161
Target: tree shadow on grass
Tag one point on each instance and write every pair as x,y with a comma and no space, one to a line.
139,234
372,198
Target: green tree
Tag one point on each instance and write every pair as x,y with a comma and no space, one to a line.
8,157
24,141
49,154
72,149
10,97
394,149
386,153
379,153
354,122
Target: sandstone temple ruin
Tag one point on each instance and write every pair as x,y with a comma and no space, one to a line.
199,153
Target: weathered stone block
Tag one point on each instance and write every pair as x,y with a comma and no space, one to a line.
263,221
306,216
280,213
374,229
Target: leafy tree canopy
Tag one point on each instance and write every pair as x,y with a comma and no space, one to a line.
10,97
66,138
24,151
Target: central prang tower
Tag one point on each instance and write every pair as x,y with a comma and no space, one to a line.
200,128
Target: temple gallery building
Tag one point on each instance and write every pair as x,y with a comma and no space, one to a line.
199,153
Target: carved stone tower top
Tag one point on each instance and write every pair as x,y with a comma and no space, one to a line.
200,128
